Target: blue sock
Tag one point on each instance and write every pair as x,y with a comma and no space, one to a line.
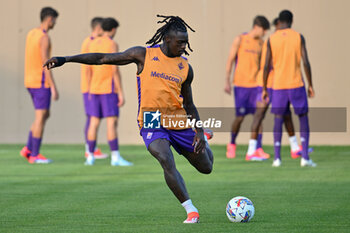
304,135
259,141
277,136
233,138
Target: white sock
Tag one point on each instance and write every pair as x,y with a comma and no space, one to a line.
189,207
293,143
115,155
252,146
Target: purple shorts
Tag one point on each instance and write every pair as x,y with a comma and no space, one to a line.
259,94
179,139
102,105
245,100
283,98
41,97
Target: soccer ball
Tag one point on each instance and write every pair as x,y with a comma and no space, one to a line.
240,209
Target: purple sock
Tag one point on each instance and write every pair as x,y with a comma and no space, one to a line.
29,142
304,135
36,142
277,136
113,144
87,127
92,145
233,138
259,141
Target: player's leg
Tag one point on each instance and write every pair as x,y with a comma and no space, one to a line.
295,149
202,161
41,99
97,153
241,98
231,147
277,138
160,149
92,139
112,136
279,107
299,100
256,131
110,111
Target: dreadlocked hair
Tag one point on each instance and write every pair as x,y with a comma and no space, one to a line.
171,23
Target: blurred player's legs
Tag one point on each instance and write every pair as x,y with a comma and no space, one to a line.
97,152
245,103
104,106
281,102
41,99
255,151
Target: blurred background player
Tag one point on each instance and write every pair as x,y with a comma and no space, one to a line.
262,106
86,72
151,62
105,95
39,82
285,48
245,53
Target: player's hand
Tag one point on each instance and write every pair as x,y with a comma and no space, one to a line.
54,62
310,92
228,88
199,141
54,93
265,96
121,100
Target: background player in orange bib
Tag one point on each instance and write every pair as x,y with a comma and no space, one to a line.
105,95
245,53
285,48
86,73
39,82
164,83
262,106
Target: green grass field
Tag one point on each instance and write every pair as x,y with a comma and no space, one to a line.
67,196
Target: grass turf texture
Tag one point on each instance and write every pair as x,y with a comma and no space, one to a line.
67,196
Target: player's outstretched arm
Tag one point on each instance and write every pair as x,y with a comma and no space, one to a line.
307,67
191,110
132,55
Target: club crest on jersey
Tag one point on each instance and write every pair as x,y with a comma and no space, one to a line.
155,58
181,66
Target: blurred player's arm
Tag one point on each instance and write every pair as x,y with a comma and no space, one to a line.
307,67
267,66
132,55
191,110
118,80
45,45
229,65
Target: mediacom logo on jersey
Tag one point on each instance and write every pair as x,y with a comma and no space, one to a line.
153,120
